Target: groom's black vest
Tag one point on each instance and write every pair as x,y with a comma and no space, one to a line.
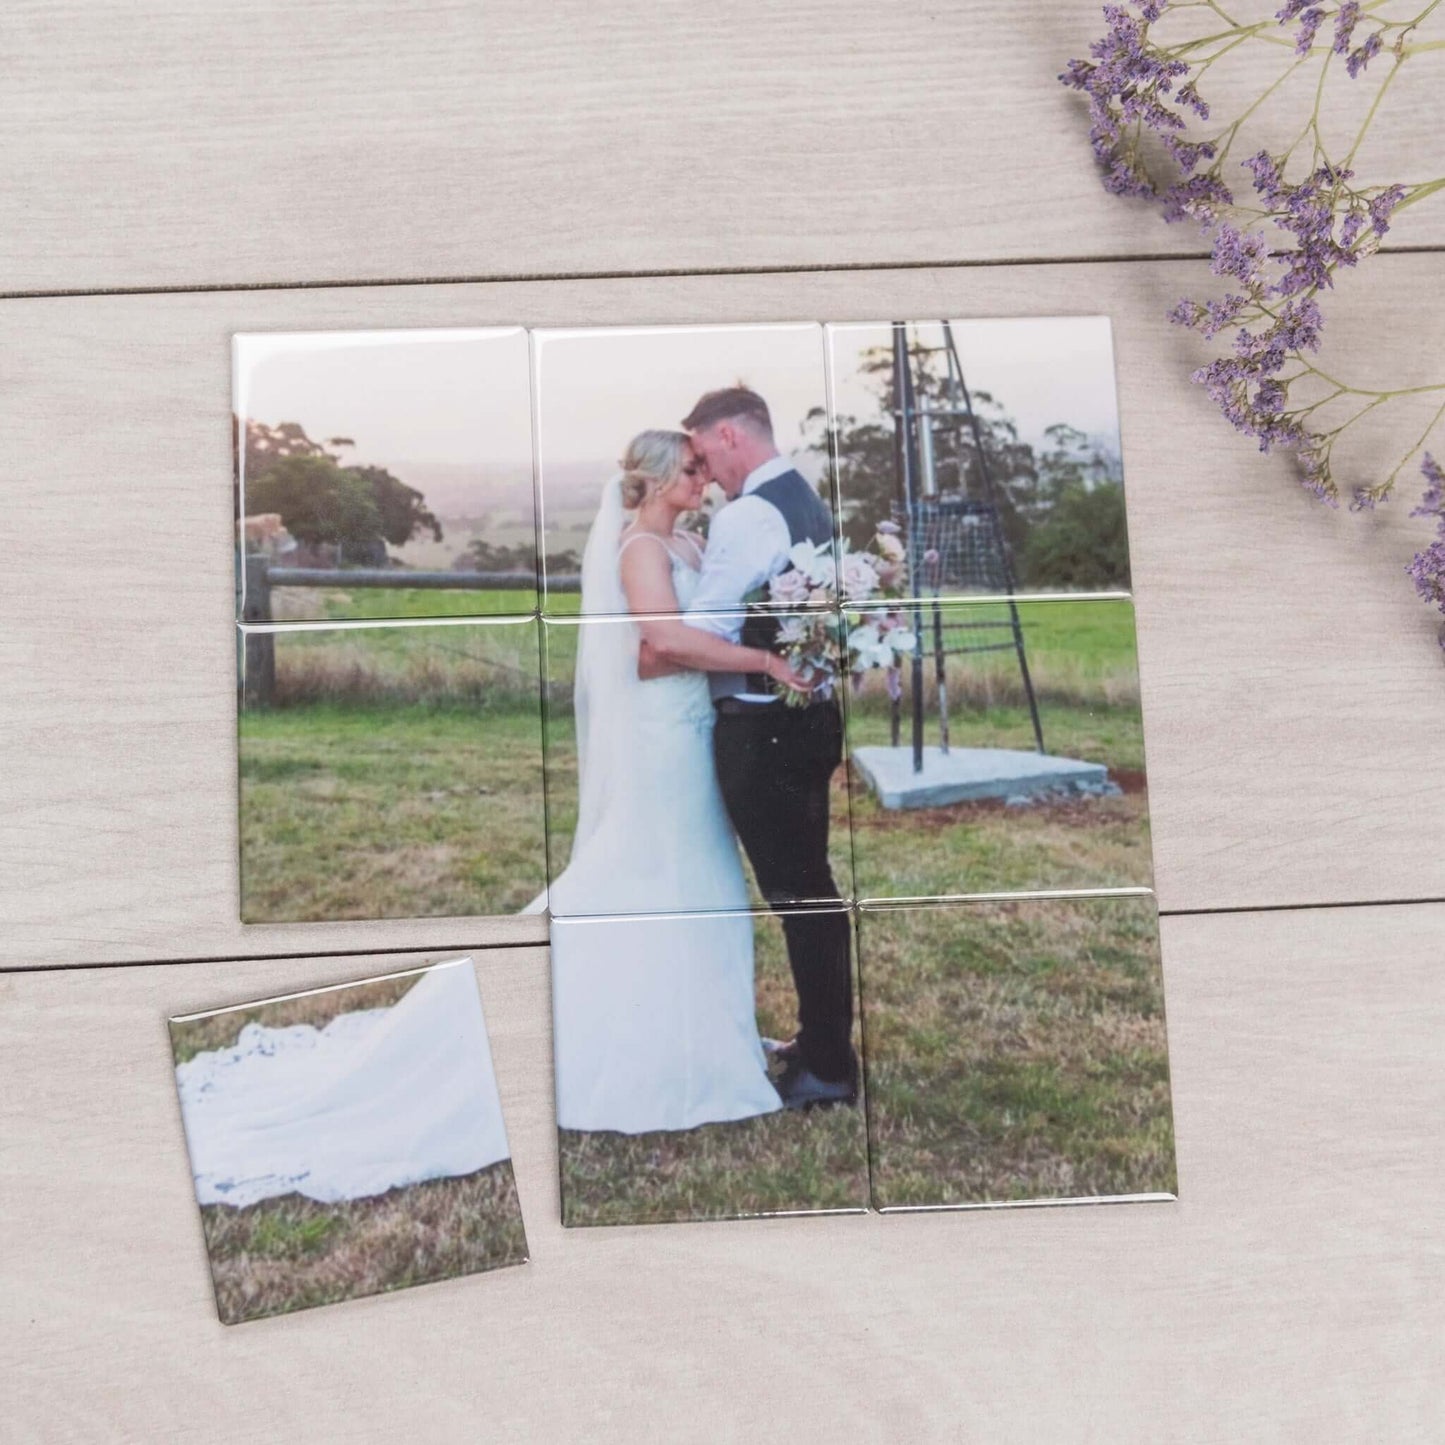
809,520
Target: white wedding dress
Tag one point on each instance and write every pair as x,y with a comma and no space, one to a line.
654,1013
376,1099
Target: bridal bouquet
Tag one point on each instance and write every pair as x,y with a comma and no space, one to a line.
868,580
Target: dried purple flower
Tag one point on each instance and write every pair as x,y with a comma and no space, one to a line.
1314,464
1189,153
1310,21
1188,96
1127,81
1427,568
1199,198
1432,500
1349,232
1241,254
1360,58
1135,84
1346,18
1268,179
1428,572
1382,207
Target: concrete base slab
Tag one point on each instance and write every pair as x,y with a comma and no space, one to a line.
966,774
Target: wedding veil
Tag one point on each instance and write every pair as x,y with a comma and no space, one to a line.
605,686
606,677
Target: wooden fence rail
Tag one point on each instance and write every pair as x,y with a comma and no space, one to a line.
257,679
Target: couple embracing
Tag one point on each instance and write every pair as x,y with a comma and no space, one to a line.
686,753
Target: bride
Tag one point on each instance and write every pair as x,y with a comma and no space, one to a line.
654,1016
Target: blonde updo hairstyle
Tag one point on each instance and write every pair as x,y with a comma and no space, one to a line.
651,464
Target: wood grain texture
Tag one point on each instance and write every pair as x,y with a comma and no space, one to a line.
1290,676
181,143
1293,1293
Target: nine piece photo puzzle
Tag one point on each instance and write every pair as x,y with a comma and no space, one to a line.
791,668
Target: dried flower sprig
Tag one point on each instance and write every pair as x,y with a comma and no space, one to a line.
1428,568
1145,98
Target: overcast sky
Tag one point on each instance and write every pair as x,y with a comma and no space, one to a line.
462,397
1042,369
455,396
598,389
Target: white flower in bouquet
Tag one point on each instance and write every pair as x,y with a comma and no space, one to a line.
811,583
882,639
807,643
815,562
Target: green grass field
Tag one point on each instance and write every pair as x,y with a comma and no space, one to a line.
1052,1083
341,603
399,775
291,1253
1082,660
1016,1051
402,776
1013,1051
388,603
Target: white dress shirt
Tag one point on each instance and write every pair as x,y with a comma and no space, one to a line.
747,543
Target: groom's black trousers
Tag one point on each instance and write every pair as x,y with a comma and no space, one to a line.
774,766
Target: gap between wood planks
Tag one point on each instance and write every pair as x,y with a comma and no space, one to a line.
503,278
471,948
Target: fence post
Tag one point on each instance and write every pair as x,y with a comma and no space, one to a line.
259,661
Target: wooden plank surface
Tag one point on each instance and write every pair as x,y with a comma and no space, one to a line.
148,143
1289,673
1293,1293
1291,695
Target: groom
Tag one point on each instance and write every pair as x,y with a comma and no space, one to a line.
774,762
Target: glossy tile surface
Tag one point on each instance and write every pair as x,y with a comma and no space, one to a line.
666,1108
597,391
1031,774
1016,1052
390,771
677,769
347,1141
993,444
383,474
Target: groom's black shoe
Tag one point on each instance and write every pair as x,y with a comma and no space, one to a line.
800,1088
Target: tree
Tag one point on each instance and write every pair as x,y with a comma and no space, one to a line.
864,452
1081,544
1061,509
319,502
484,556
1072,459
402,509
357,509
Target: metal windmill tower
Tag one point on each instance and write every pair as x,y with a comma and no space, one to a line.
955,539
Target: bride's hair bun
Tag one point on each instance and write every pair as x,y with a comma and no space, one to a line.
652,460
